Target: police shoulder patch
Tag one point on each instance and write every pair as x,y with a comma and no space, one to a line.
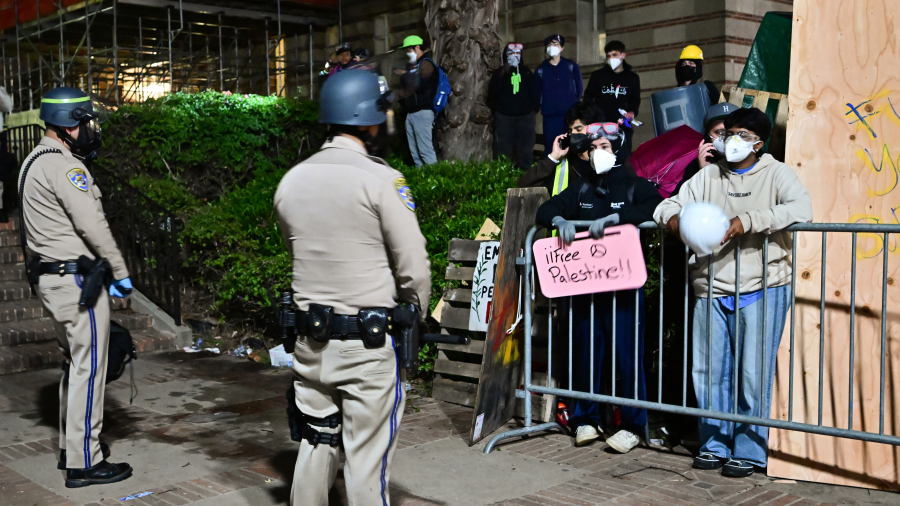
78,178
405,193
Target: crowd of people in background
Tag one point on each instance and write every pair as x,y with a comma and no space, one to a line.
587,135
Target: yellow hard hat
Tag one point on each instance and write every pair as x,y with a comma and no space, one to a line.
691,53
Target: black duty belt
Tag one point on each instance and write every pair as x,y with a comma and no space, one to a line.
345,327
60,268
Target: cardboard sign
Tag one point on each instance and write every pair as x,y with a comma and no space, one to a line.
611,263
483,285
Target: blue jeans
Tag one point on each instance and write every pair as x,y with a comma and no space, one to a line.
419,128
754,392
627,308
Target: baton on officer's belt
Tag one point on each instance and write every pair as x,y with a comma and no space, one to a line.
287,321
444,339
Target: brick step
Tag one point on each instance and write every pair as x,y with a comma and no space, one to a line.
12,272
34,356
9,238
22,310
11,255
15,290
40,330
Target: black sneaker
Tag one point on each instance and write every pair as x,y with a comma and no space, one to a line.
61,465
737,469
707,461
102,473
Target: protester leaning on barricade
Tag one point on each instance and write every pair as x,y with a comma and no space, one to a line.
763,196
514,96
419,84
560,84
564,165
689,70
608,195
616,90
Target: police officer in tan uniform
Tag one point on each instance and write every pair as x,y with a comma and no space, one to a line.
348,220
64,220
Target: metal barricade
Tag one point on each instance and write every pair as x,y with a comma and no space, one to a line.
881,231
21,140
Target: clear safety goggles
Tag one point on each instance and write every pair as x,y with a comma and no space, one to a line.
603,130
743,135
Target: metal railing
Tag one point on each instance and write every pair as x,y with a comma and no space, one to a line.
877,230
21,140
147,235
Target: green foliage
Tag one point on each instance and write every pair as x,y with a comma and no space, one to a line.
453,200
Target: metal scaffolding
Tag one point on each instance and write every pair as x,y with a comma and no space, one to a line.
128,51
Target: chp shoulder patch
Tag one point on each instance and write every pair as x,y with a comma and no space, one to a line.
405,193
78,178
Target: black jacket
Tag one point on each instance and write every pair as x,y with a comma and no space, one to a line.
601,91
419,86
500,92
594,197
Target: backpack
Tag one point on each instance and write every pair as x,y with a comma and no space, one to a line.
121,351
443,90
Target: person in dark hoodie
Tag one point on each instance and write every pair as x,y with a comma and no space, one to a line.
689,70
514,96
616,90
561,86
608,196
564,165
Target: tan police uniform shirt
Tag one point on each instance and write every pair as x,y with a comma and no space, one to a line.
63,215
349,222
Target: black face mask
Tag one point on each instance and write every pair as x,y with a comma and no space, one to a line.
87,143
686,73
379,144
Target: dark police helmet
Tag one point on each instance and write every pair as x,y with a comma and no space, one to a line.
354,97
66,107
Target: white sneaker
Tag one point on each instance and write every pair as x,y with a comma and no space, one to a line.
585,435
623,441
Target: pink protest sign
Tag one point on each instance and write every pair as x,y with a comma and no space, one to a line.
611,263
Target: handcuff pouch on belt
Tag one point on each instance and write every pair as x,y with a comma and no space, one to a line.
319,322
374,324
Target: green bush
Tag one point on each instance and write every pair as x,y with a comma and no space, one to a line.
216,160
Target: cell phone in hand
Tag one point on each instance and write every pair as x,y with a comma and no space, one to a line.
565,142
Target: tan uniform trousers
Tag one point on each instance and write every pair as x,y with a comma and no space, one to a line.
84,339
367,387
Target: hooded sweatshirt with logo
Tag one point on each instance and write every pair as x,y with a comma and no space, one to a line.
767,199
611,91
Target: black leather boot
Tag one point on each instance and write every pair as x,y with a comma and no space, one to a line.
61,465
102,473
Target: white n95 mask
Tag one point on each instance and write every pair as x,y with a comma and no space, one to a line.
602,161
737,149
614,63
719,144
553,51
412,57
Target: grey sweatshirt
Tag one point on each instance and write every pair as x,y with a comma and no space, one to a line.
767,199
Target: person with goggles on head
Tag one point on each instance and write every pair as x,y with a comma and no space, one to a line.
560,84
569,160
514,96
762,196
609,195
64,225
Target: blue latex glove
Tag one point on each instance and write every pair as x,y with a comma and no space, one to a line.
599,226
566,229
121,288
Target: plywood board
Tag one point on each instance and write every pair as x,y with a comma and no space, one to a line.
843,126
501,365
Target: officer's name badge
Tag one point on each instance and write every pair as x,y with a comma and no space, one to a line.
405,193
78,178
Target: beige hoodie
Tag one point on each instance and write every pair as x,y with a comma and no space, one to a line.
767,199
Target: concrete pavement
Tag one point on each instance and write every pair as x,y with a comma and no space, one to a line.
210,430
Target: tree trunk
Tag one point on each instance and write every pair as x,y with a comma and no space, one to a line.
466,45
